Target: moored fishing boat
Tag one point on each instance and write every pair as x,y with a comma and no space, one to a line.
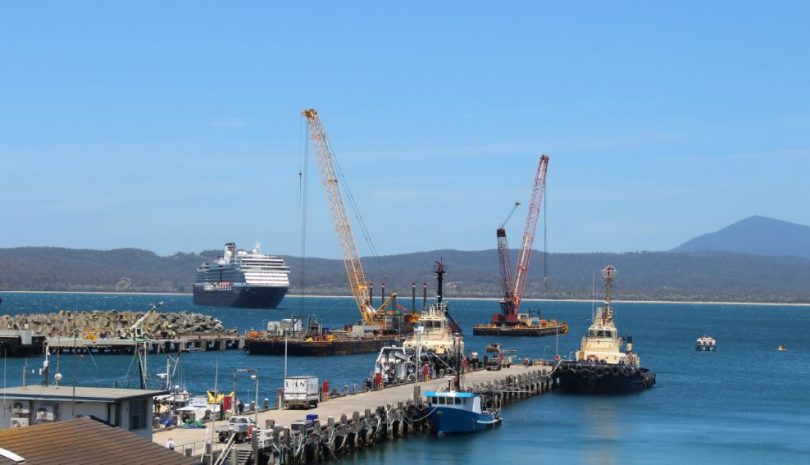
600,365
453,412
457,410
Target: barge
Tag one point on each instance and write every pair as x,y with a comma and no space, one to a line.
294,337
525,326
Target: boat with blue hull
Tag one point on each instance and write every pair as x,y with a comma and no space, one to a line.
458,410
454,412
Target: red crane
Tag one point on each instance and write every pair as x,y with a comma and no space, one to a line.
513,287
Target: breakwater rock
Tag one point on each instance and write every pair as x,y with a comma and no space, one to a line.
114,324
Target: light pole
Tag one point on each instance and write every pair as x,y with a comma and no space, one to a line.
255,376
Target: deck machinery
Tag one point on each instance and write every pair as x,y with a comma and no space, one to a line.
510,322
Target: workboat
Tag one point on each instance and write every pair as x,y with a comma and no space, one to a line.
600,365
705,344
457,410
394,365
454,412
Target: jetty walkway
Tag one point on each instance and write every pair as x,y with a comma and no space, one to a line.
180,343
354,421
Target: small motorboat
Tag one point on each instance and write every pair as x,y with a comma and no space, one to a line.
453,412
458,410
705,344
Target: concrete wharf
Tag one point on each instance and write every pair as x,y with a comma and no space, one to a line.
352,421
182,343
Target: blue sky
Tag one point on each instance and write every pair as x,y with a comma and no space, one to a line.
175,126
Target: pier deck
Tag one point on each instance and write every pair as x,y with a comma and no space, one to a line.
348,406
182,343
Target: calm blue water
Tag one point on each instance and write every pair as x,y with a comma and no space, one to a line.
744,404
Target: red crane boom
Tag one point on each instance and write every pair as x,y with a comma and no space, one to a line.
513,287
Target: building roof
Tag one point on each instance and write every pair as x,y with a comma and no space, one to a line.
82,394
84,441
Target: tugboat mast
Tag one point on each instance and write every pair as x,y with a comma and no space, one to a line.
439,270
609,272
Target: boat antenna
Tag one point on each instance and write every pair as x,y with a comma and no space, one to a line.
593,293
4,375
45,363
457,377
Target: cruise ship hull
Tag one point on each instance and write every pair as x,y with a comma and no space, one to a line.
590,378
246,297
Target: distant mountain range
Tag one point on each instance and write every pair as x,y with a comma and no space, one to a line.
764,260
756,235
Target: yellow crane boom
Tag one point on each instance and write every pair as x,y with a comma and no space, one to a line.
343,229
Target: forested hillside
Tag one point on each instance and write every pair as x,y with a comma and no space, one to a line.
643,275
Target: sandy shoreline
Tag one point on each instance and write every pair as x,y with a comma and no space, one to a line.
691,302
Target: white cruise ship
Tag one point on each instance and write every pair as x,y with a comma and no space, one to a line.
242,279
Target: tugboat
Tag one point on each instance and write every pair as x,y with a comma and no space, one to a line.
705,344
433,339
600,366
458,411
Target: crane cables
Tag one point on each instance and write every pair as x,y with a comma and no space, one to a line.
546,277
303,182
354,207
345,189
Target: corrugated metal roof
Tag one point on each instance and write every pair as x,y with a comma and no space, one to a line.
82,393
84,441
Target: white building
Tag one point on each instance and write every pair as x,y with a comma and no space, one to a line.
130,409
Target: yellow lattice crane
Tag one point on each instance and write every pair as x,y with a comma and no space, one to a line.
343,229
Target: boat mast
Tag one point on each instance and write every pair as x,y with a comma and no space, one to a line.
609,272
